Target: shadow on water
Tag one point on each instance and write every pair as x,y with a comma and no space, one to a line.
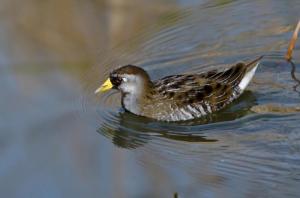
131,131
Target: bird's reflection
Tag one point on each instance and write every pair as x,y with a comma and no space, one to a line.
130,131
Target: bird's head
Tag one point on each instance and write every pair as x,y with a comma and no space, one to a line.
128,79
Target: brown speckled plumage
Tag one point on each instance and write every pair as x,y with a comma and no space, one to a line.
180,97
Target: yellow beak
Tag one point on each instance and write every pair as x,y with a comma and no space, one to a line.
105,87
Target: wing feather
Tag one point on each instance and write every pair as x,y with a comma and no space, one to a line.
213,89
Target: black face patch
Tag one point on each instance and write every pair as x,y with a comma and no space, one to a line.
115,80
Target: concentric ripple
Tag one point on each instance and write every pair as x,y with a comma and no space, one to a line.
253,147
185,44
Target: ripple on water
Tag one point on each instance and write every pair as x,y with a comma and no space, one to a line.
236,142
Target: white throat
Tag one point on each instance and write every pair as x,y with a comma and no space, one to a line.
133,90
131,103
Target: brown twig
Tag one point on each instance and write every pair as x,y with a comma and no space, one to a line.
292,43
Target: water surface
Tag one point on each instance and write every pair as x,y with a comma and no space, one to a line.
58,139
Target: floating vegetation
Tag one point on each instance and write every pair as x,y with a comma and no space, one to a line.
275,108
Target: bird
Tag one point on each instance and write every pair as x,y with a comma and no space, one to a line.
179,97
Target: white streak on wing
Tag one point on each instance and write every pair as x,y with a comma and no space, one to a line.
176,114
180,115
192,109
225,100
172,90
228,77
186,115
236,92
202,110
172,116
247,78
235,78
223,94
234,95
208,107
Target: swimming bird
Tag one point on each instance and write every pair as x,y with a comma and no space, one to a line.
179,97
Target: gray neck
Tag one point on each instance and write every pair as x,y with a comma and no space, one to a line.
132,103
134,95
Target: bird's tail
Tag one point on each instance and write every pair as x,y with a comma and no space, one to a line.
251,68
253,63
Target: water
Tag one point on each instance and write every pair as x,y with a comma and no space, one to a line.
58,139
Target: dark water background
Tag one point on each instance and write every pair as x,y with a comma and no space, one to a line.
57,139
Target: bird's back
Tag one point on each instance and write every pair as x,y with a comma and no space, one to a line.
184,97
